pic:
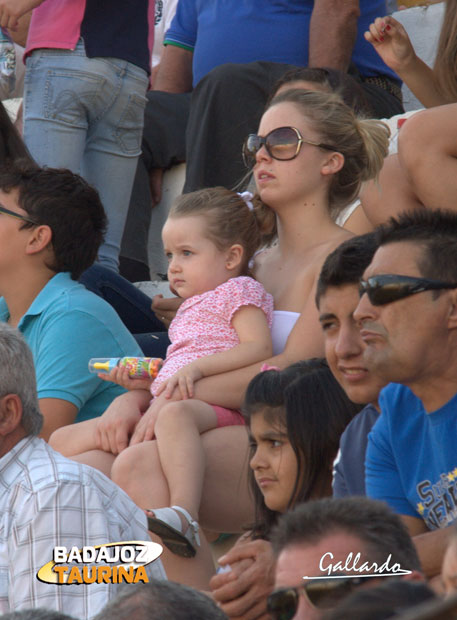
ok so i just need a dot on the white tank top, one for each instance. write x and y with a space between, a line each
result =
283 322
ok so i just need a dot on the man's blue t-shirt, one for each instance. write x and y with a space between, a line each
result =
241 31
64 327
349 465
412 457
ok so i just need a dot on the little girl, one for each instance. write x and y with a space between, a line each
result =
295 418
223 324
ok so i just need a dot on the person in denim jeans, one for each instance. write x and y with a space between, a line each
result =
87 66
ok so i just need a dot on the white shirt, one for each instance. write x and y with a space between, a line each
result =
48 500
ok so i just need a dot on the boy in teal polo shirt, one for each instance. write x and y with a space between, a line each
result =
51 225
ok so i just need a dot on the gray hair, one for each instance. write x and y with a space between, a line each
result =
161 600
39 613
17 376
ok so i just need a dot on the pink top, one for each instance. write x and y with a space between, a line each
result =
203 324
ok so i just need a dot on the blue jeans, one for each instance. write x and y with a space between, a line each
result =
86 114
132 306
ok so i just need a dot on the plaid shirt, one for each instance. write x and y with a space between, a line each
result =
48 500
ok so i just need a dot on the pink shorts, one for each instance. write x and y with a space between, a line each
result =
228 417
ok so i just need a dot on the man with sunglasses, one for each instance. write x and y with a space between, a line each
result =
51 226
408 317
310 541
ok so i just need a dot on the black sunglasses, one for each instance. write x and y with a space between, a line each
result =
385 289
18 216
324 593
283 143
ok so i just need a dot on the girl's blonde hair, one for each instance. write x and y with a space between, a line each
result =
445 67
363 142
229 220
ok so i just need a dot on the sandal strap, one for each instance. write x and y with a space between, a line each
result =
193 525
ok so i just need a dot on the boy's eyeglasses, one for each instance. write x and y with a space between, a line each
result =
323 593
283 143
384 289
18 216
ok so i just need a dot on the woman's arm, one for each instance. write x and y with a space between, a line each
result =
391 41
250 324
304 341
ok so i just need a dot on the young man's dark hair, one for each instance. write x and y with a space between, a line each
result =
66 203
346 264
436 231
380 530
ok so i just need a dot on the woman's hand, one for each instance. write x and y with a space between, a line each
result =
183 380
391 41
115 426
120 375
165 308
242 593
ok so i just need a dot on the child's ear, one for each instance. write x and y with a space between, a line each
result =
40 238
234 256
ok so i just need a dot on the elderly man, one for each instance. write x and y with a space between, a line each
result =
48 500
408 318
334 538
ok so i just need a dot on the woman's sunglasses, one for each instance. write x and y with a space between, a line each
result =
323 593
283 143
385 289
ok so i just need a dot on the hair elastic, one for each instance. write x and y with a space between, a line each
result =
247 197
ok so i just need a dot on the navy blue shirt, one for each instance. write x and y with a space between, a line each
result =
117 29
349 465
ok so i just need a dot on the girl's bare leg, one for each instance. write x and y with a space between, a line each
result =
74 438
103 461
178 431
226 504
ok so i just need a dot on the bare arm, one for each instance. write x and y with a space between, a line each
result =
332 33
12 10
305 341
430 545
391 41
175 70
250 324
56 413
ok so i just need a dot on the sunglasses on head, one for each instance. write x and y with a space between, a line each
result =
385 289
323 593
283 143
18 216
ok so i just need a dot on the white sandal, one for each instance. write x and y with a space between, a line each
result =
167 524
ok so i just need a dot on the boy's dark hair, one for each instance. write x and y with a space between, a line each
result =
331 80
379 529
433 229
346 264
66 203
